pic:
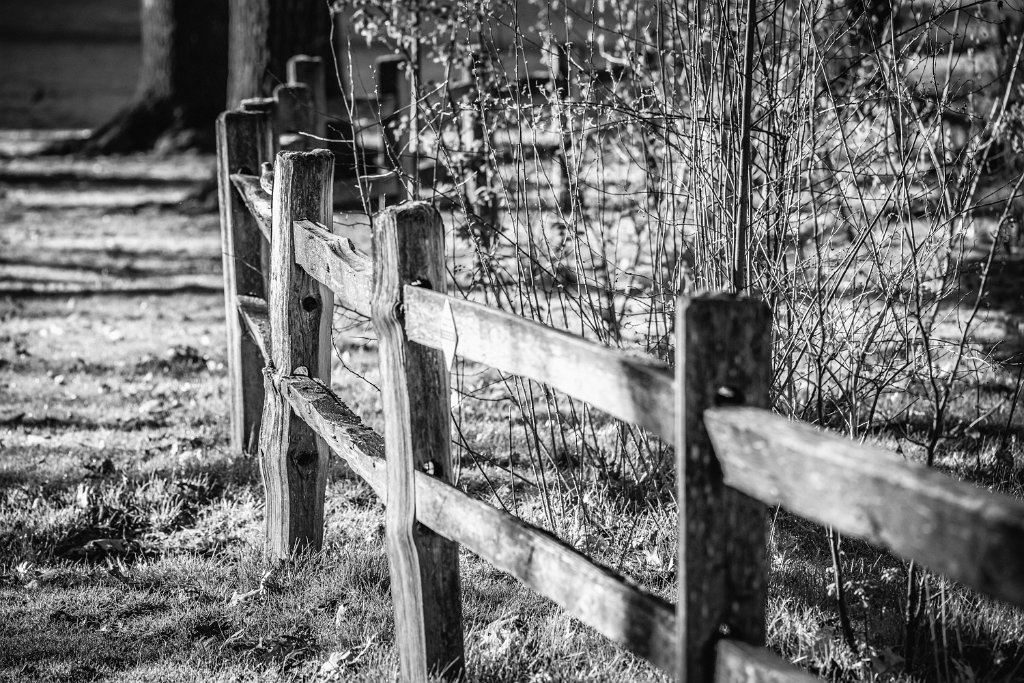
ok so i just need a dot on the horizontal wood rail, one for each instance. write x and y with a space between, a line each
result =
739 662
255 199
630 388
955 528
614 606
257 322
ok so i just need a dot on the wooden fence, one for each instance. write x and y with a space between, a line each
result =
285 269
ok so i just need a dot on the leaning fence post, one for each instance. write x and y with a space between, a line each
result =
408 246
723 356
243 143
293 459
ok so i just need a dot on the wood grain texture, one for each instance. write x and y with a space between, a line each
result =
243 143
955 528
408 243
642 623
336 263
330 259
739 662
631 388
614 606
255 200
723 349
257 323
294 461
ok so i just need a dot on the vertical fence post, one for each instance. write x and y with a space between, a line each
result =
267 105
558 69
293 459
408 248
472 132
723 356
295 116
393 88
309 71
243 143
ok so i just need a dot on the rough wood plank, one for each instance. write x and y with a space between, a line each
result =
955 528
631 388
642 623
257 322
723 352
256 201
614 606
294 461
243 143
408 244
743 663
336 263
340 428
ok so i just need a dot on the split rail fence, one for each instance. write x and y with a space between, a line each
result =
285 270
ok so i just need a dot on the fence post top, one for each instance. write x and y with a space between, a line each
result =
683 301
412 209
312 155
238 114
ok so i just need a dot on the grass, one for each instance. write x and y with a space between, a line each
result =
130 536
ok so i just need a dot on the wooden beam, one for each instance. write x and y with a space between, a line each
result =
955 528
257 322
256 201
641 622
723 353
631 388
408 246
336 263
743 663
243 143
294 461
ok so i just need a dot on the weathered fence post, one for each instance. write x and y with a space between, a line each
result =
309 71
294 460
473 134
294 117
243 143
723 356
397 155
408 246
558 70
267 105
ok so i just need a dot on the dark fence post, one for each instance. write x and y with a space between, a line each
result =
294 460
395 93
243 142
723 357
309 71
294 117
409 249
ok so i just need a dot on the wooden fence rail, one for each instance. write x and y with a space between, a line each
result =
285 269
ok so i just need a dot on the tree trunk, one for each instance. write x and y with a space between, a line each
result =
264 34
181 82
